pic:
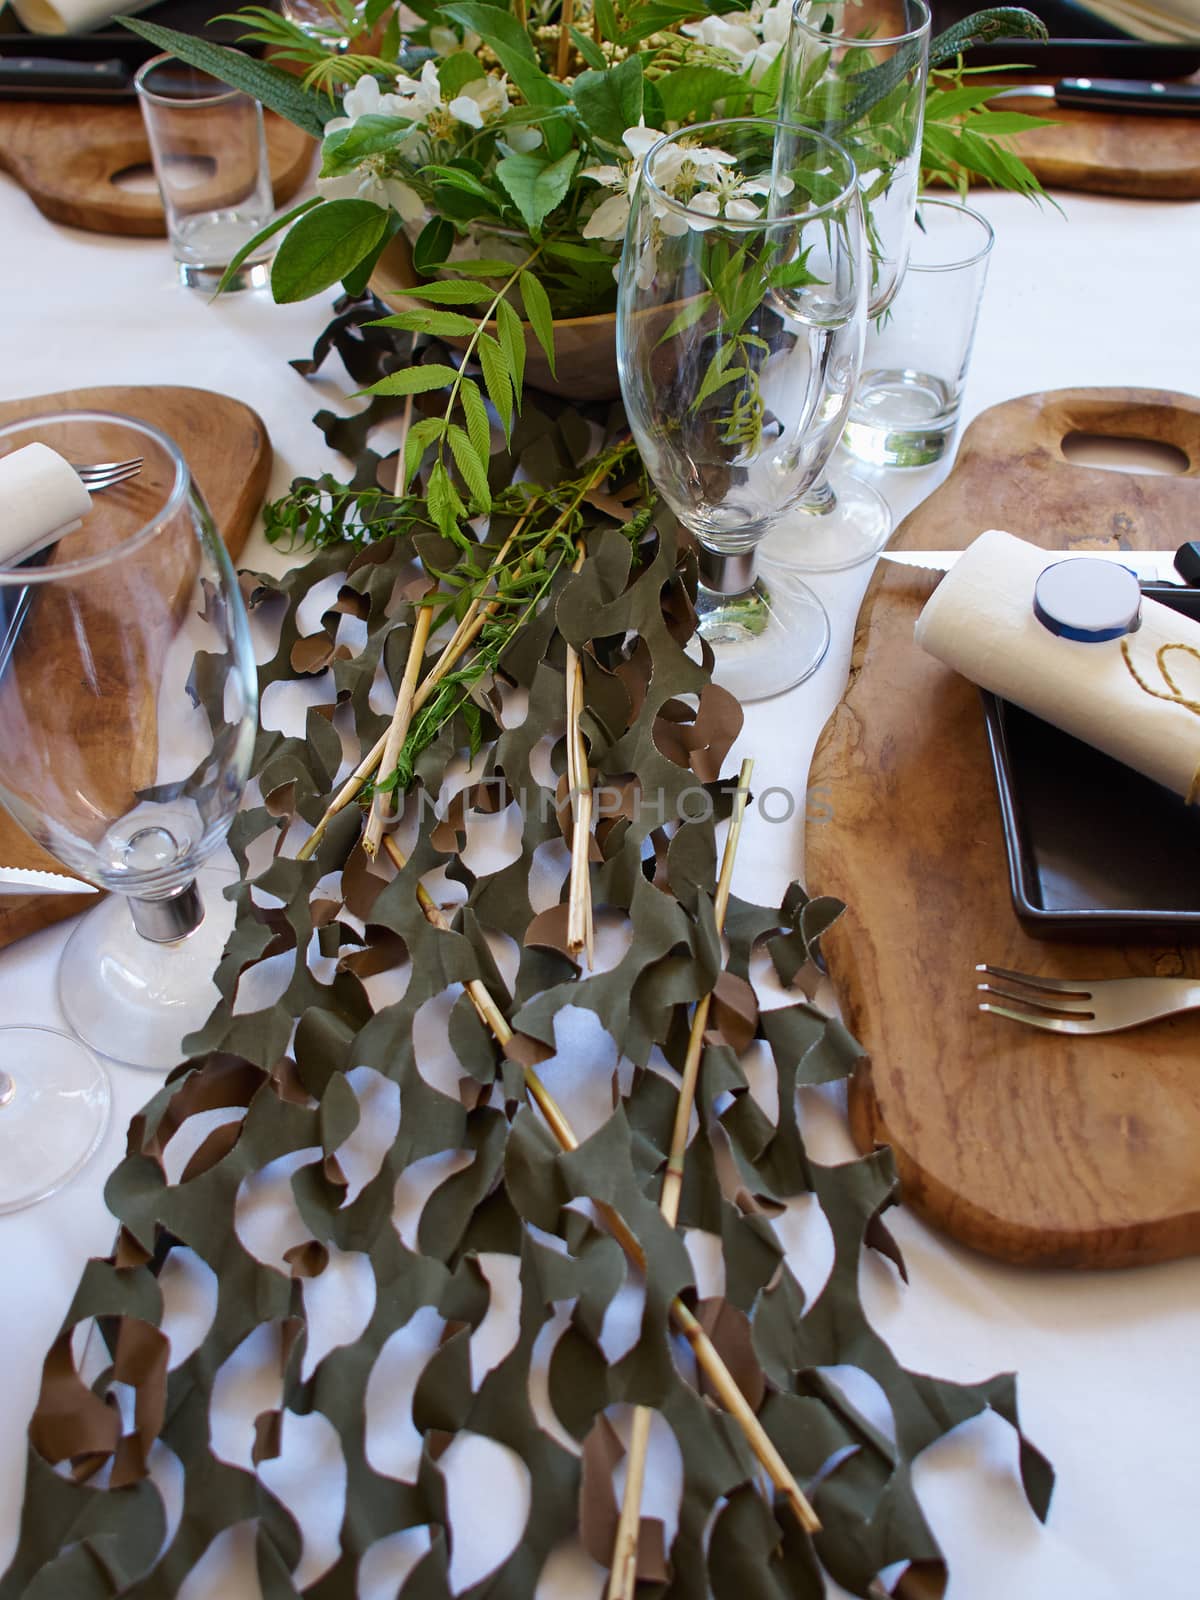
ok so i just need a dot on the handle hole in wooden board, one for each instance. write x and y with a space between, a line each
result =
137 179
1124 454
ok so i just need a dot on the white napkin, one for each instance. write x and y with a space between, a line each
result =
74 16
980 621
42 497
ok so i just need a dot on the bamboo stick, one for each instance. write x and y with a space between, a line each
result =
580 930
623 1572
383 802
708 1357
564 37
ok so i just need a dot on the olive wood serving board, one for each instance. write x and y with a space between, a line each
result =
1034 1147
66 156
227 448
1139 157
1142 157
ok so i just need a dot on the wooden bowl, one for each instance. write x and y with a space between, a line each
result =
585 348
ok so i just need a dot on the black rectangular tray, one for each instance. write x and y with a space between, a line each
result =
1095 850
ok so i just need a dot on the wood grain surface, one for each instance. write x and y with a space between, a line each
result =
66 156
1143 157
1030 1146
229 453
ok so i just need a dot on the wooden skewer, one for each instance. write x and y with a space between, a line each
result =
623 1572
708 1357
580 931
564 36
383 803
468 630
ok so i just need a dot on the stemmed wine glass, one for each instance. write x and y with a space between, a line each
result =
128 700
857 70
740 322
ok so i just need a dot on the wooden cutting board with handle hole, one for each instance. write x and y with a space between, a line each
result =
1140 156
67 155
227 448
1034 1147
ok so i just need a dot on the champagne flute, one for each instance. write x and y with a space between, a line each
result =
857 70
128 701
740 321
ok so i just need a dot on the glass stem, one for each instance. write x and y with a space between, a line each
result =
820 500
168 920
8 1088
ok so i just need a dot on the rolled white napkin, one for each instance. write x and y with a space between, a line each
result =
42 497
74 16
980 621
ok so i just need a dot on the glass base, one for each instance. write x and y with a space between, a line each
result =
132 1000
900 418
54 1107
766 639
840 524
248 276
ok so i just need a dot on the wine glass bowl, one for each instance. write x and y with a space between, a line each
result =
128 700
740 322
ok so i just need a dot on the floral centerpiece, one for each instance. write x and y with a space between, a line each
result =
503 140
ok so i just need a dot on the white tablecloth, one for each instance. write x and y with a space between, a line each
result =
1109 1363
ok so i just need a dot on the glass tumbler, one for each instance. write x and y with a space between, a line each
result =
906 405
740 317
128 700
210 159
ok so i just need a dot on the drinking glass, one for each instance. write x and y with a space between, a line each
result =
210 159
857 71
333 23
128 699
740 317
917 353
54 1108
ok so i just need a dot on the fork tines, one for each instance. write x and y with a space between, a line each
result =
1044 998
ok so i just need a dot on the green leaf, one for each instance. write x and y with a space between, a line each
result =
445 505
346 149
474 471
497 380
452 292
1001 22
438 324
457 178
420 436
541 319
324 245
609 26
610 102
688 93
479 428
433 245
494 25
457 70
588 49
414 380
484 268
262 236
536 186
278 91
514 50
792 275
690 314
512 342
356 280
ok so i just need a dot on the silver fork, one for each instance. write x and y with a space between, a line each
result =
107 474
1096 1005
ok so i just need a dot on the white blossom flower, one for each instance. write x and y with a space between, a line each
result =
717 32
366 183
364 99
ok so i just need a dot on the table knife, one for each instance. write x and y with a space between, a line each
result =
31 880
1112 94
1151 566
56 78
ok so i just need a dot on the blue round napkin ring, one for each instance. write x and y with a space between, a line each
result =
1088 600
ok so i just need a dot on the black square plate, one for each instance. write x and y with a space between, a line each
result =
1095 850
